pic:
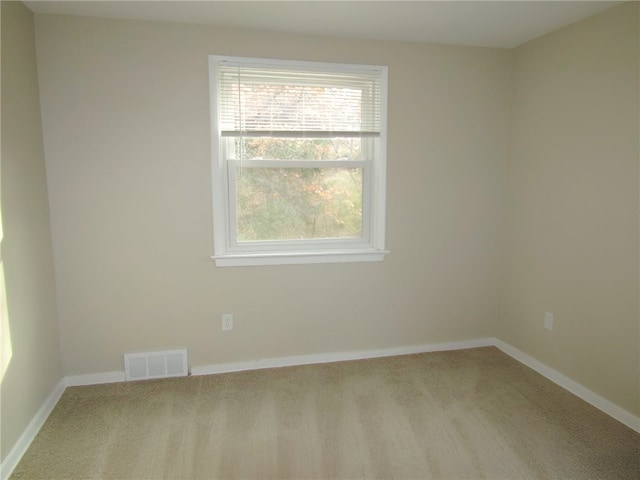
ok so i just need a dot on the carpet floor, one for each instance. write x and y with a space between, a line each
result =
465 414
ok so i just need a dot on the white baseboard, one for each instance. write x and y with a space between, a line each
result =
337 357
20 447
94 378
565 382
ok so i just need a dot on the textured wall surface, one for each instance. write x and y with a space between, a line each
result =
30 341
572 205
125 109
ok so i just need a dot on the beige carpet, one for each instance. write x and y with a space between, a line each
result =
464 414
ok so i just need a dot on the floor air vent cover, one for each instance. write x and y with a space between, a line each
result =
141 366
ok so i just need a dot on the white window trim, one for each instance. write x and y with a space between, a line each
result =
309 252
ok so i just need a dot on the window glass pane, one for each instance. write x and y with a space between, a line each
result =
281 148
298 203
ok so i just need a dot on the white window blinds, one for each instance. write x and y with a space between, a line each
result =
274 100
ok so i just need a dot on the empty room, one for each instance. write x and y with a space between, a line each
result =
296 240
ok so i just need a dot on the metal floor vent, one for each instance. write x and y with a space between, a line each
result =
141 366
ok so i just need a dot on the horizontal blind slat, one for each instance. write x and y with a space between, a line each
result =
297 134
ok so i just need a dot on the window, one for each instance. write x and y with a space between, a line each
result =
299 159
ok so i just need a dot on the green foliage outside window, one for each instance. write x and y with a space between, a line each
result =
299 203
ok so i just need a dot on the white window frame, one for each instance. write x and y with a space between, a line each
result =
228 252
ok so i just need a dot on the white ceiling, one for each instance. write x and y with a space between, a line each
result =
503 24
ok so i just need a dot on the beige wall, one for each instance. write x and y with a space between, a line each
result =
29 329
572 205
126 125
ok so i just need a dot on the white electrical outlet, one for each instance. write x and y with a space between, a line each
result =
548 320
227 321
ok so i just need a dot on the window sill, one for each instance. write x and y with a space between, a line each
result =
297 258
